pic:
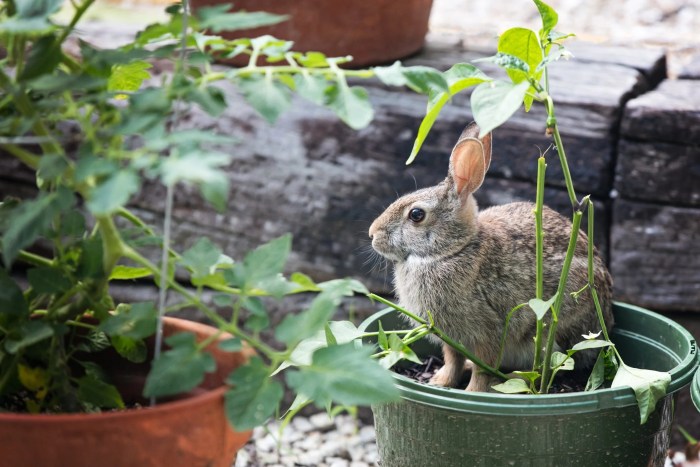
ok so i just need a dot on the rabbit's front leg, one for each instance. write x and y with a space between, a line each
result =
480 380
450 374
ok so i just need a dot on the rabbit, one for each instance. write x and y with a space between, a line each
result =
470 268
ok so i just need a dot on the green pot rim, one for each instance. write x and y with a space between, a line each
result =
695 390
518 404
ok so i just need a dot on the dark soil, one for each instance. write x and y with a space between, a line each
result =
565 382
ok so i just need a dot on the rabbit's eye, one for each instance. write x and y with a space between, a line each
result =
416 215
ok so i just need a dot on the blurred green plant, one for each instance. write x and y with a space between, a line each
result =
95 128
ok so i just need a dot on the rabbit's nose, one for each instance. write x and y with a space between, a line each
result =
372 230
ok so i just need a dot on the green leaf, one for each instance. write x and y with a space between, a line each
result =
350 104
217 19
202 258
31 17
201 168
30 219
233 344
591 344
211 99
422 79
113 193
344 332
263 263
512 386
344 374
295 328
523 44
550 18
507 62
122 273
382 340
269 97
311 87
330 337
304 283
48 280
540 307
529 376
494 103
128 77
425 80
52 166
94 341
398 351
136 321
649 387
597 377
460 77
561 361
90 263
12 302
43 58
391 75
343 287
255 396
31 332
133 350
98 393
179 369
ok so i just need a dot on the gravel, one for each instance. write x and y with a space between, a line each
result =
314 441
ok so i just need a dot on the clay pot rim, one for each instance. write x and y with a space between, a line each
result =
189 402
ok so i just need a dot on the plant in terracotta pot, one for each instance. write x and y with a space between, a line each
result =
520 292
372 31
95 127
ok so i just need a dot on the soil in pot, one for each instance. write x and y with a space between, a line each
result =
565 381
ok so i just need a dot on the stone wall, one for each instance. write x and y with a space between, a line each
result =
632 143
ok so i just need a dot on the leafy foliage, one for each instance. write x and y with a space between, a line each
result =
123 128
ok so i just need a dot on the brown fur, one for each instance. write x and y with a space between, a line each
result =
470 268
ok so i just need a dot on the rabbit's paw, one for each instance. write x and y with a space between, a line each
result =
448 376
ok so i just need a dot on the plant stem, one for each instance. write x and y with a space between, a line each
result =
539 255
135 256
27 158
24 105
561 290
591 273
112 245
549 105
444 337
34 260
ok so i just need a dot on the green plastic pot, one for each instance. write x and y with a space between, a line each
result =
695 390
434 426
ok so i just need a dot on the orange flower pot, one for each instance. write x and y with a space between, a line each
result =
372 31
190 431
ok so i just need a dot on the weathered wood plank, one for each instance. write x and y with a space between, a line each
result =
670 113
692 69
650 62
659 172
655 255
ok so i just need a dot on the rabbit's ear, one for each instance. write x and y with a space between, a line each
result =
470 160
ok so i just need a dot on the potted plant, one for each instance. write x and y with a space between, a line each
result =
644 360
371 31
83 377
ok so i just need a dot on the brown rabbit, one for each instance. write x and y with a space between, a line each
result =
470 268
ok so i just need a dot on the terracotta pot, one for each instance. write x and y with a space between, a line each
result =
191 431
372 31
